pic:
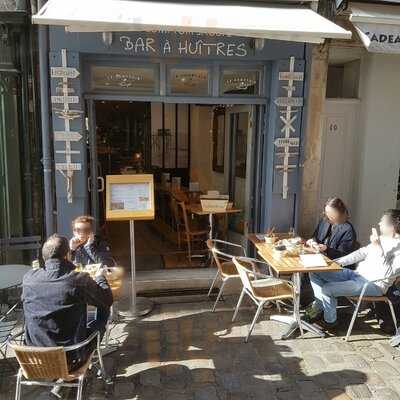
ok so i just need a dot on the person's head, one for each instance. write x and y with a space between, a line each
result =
389 224
57 247
336 211
82 227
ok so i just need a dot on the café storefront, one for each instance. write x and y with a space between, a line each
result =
210 101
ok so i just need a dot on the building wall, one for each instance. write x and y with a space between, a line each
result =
379 146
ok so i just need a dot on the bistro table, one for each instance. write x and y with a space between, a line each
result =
12 275
290 265
198 210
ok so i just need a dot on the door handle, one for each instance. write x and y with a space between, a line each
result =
101 180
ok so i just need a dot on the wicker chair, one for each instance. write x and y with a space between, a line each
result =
47 366
261 291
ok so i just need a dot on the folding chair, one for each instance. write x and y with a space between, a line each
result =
261 291
371 299
47 366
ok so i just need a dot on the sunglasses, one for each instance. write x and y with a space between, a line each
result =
84 230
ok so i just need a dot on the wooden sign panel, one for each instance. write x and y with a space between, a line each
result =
129 197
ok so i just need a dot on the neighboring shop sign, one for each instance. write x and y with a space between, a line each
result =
67 167
184 44
379 38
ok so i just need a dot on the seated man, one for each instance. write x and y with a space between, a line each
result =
55 300
379 260
86 248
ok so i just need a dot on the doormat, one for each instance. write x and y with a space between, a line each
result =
181 260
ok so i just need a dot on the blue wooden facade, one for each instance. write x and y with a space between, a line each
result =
164 50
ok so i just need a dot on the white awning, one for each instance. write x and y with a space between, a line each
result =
291 23
378 26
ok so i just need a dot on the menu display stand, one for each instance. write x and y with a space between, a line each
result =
130 198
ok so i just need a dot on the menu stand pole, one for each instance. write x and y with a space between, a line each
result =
139 305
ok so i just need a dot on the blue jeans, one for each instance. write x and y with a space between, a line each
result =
328 286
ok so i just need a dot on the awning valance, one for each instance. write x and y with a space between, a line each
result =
378 26
291 23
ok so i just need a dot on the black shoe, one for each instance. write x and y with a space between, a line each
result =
327 326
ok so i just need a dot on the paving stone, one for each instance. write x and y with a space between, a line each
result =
386 394
374 381
356 361
388 349
229 381
206 393
343 347
150 377
203 375
333 358
337 394
371 353
359 392
124 389
314 362
327 379
385 369
307 386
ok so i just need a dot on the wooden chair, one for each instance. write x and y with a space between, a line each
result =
261 291
176 220
371 299
47 366
193 235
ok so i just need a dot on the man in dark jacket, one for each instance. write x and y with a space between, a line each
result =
86 248
55 300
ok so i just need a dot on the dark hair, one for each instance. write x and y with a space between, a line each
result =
56 246
338 205
86 219
394 216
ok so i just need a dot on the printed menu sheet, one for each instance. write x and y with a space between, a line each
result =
130 196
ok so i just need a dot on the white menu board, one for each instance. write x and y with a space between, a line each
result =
130 196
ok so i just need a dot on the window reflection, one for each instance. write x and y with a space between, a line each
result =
189 81
241 82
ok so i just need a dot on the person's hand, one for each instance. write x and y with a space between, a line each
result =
74 243
90 239
310 242
374 238
322 247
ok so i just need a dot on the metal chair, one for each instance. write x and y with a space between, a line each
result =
8 323
226 270
371 299
47 366
261 291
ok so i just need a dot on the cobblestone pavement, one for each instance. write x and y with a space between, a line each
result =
183 351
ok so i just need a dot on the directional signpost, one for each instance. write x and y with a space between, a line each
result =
288 118
66 98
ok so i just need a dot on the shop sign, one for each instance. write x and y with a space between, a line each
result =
64 72
380 38
65 99
68 166
289 101
287 142
64 136
184 44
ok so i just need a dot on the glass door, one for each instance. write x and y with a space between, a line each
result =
241 136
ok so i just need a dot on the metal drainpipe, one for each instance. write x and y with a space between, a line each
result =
45 124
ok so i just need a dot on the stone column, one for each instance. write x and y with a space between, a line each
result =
309 205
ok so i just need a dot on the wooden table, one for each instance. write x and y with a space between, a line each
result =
198 210
290 265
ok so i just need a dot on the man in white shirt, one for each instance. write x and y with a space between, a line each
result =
377 262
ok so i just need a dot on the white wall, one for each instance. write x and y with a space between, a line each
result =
379 145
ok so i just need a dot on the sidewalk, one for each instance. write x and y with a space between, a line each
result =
183 351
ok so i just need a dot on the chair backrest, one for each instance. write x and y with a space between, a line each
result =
41 362
6 327
244 273
173 204
218 254
182 207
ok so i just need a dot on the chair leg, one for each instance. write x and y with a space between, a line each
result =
393 315
259 309
238 304
18 387
353 318
213 283
80 389
221 289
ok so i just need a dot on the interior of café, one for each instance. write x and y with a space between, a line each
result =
197 153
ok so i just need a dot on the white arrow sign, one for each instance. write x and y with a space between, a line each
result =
284 142
65 99
289 101
64 72
71 136
68 166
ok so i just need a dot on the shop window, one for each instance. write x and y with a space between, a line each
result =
240 82
137 80
343 80
189 81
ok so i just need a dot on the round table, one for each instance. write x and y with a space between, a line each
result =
12 274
